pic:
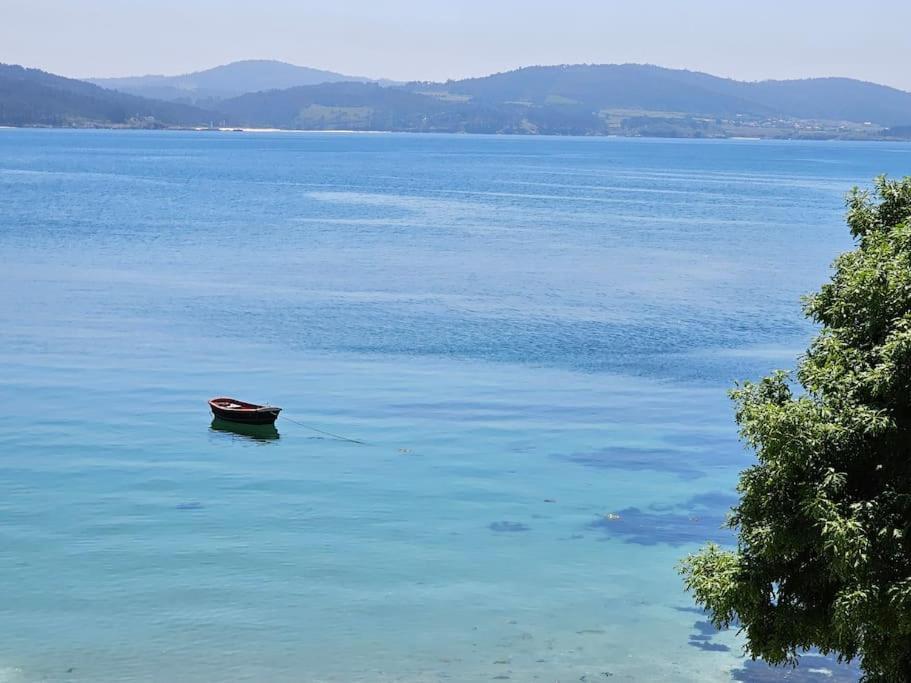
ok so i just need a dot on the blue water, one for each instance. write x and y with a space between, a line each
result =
534 337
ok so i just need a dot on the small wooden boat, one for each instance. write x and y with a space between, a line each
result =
235 410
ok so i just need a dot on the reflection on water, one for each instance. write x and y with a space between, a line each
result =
260 433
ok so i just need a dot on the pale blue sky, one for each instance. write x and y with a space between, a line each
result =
431 39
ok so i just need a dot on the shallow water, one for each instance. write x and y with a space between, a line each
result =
534 337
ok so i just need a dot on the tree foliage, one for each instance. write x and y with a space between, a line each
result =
823 556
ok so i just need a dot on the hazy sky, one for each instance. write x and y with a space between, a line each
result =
433 39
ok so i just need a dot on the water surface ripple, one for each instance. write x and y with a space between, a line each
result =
534 336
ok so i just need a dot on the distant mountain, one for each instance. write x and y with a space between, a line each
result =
625 99
657 89
839 99
34 97
599 87
362 106
221 82
833 99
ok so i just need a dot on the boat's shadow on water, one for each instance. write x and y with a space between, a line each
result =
255 433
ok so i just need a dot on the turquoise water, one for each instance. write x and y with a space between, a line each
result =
534 337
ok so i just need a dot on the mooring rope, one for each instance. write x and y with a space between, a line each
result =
323 431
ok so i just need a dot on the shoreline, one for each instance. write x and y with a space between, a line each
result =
244 129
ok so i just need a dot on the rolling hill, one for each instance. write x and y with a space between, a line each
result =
598 87
626 99
221 82
30 97
657 89
367 106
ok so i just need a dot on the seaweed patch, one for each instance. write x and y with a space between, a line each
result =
699 519
702 639
812 668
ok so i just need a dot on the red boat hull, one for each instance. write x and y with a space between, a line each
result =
234 410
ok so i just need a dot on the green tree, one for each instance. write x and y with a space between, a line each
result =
823 553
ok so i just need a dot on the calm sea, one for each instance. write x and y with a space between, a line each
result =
533 336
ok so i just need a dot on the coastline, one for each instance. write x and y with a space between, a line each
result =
245 129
